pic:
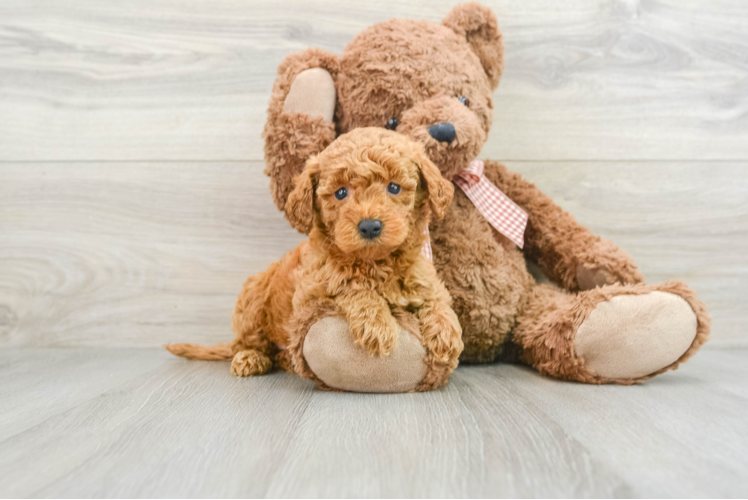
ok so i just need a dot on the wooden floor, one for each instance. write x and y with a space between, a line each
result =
133 207
137 422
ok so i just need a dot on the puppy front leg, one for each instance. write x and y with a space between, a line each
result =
370 320
442 334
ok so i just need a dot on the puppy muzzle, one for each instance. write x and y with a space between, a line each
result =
370 228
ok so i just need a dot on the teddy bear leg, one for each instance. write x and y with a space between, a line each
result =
338 363
620 334
324 351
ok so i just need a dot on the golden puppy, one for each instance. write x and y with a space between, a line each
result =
365 202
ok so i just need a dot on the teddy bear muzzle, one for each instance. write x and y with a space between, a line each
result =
451 133
443 132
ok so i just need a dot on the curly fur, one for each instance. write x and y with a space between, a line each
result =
377 285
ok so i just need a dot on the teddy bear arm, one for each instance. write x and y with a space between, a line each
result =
567 252
299 118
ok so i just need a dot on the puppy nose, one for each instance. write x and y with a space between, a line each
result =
370 228
443 132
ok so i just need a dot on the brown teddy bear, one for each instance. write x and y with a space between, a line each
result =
434 83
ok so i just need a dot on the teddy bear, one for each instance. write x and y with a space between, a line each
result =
596 322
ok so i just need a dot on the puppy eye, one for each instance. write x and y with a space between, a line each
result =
463 100
341 193
391 124
393 188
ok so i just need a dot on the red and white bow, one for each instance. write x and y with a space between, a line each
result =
501 212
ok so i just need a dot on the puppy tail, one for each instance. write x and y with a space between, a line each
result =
219 352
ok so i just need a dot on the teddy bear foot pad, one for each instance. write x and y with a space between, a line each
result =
632 336
337 361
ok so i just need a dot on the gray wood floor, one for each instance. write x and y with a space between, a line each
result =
132 208
137 422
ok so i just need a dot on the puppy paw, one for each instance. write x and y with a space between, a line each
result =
377 335
250 363
442 336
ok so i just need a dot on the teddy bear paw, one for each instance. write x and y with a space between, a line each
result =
335 359
312 93
632 336
605 264
589 278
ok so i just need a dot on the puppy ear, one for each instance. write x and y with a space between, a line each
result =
300 204
479 26
440 190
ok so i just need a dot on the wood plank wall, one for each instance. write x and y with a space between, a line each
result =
132 203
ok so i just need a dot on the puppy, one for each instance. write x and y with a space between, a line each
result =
365 202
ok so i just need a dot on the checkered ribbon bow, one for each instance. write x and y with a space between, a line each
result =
501 212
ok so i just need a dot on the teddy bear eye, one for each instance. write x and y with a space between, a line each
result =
341 193
393 188
463 100
392 124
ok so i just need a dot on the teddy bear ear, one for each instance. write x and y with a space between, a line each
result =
300 203
479 26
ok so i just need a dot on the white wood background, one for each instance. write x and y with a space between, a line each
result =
132 204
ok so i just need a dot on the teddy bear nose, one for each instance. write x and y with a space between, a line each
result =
443 132
370 228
